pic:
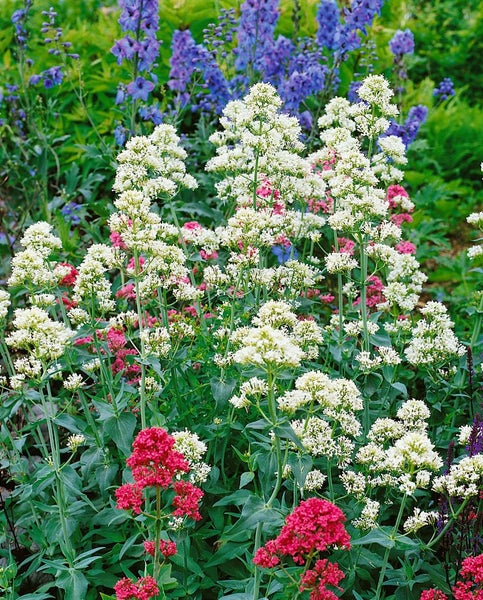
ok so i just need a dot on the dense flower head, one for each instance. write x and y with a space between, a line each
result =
153 460
129 497
445 89
166 548
143 589
255 32
402 42
317 579
328 24
433 594
186 500
314 526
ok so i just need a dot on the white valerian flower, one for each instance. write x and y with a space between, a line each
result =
433 339
73 382
419 519
156 341
4 303
369 515
28 366
464 480
193 450
314 480
91 284
340 262
74 441
464 434
35 332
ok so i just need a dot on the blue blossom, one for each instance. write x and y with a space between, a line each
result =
285 253
70 210
183 60
445 89
140 88
402 42
358 18
408 131
255 32
120 134
328 24
141 17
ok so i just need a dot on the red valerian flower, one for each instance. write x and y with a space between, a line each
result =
129 497
69 279
186 500
167 548
433 594
153 461
144 589
317 579
314 525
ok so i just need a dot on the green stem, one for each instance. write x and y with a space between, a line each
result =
385 559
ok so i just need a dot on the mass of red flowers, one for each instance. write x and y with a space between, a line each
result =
316 525
143 589
155 463
469 588
166 548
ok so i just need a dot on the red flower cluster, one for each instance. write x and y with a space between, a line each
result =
471 588
317 579
315 525
166 548
433 594
144 589
155 463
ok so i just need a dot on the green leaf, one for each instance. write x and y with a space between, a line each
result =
246 478
121 429
377 536
74 583
222 390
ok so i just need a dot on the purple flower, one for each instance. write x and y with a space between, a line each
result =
70 210
328 22
285 253
255 32
445 89
140 88
402 42
124 49
357 18
475 442
409 130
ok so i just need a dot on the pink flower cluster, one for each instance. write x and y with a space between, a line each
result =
316 525
143 589
155 463
166 548
471 586
317 579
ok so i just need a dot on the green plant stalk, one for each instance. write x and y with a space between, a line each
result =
477 327
142 387
59 487
258 533
363 284
385 559
157 536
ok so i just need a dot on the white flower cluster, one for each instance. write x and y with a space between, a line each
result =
419 519
4 304
193 449
279 339
91 285
464 480
156 341
477 249
353 177
35 332
433 340
399 452
258 140
32 266
404 279
255 388
153 164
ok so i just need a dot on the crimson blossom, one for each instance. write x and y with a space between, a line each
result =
315 525
143 589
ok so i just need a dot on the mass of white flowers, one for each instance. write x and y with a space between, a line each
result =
433 340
